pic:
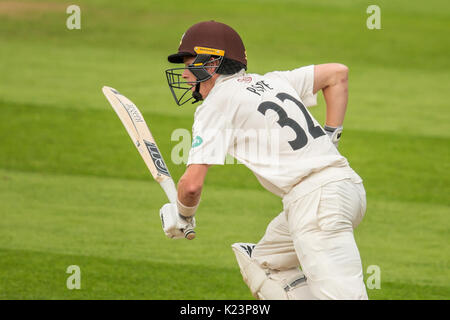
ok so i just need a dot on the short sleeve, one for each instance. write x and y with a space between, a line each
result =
302 80
211 135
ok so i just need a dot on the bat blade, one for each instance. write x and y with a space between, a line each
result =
140 134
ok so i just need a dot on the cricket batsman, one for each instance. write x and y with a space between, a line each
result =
308 251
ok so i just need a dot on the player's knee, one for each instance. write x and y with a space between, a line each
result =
339 289
358 291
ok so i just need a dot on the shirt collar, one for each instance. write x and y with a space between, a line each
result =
225 77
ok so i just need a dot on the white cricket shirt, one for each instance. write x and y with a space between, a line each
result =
262 121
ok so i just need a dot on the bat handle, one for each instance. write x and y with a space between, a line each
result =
189 233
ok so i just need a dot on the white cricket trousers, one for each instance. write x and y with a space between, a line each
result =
315 231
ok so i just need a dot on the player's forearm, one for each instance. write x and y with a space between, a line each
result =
336 98
189 193
191 184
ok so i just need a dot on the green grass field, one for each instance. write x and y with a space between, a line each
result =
74 191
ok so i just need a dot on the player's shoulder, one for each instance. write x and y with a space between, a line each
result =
247 87
282 74
229 83
232 91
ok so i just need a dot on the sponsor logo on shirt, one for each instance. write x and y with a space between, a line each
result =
245 79
197 141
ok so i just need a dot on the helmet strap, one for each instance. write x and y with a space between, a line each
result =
196 94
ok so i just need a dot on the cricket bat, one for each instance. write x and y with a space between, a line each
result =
143 140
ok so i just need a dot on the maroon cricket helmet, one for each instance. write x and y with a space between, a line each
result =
210 35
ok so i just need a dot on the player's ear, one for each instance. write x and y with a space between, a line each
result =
214 62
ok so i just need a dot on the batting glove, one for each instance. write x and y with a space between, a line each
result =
174 224
334 134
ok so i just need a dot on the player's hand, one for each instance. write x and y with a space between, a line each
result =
174 224
334 134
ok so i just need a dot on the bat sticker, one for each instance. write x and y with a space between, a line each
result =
157 158
133 112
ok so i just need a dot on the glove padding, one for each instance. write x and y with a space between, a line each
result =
173 223
334 134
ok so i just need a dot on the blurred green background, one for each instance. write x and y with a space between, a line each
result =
74 191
